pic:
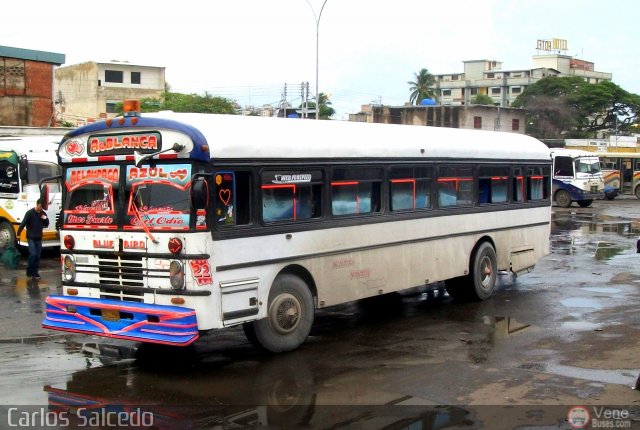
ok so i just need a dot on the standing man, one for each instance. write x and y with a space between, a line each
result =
34 221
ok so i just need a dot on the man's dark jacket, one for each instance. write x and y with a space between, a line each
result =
34 224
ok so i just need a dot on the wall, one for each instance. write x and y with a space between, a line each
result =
25 92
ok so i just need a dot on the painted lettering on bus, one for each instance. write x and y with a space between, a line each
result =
77 176
100 144
359 274
104 244
133 244
156 173
89 220
340 263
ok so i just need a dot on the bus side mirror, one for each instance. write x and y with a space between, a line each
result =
23 168
44 196
200 193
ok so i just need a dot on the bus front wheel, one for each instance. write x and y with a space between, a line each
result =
7 236
289 318
480 283
563 198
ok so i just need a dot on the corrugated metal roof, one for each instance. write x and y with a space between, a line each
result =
30 54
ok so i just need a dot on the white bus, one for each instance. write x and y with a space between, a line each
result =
175 224
24 162
576 177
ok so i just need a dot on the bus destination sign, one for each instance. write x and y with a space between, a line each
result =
123 144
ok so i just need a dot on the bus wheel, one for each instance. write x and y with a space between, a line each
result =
7 236
484 271
563 199
637 192
289 316
481 281
585 203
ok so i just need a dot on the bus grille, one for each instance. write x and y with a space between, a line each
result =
122 271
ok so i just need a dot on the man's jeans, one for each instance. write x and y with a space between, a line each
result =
33 263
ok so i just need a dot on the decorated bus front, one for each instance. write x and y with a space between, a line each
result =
135 263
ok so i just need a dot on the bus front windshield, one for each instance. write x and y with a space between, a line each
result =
158 197
587 165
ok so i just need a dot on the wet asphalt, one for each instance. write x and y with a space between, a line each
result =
565 335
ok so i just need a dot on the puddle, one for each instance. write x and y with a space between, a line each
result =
607 376
603 290
581 302
580 325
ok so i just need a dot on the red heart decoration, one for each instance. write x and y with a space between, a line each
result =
225 196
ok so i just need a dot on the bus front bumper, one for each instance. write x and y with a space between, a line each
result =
169 325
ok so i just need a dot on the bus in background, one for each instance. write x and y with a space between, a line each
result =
176 224
24 162
621 171
576 177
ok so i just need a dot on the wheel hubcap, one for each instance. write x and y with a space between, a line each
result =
4 238
486 272
285 313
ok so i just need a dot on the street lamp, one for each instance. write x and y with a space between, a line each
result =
317 19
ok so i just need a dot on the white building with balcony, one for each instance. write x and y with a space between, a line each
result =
504 86
89 91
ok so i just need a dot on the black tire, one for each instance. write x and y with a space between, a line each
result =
637 192
484 271
289 318
610 196
480 283
584 203
7 236
563 198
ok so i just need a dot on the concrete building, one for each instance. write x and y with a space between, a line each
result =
90 91
475 117
26 86
504 86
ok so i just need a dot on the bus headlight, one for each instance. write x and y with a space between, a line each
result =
69 269
176 275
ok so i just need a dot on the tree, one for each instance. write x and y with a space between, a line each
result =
178 102
326 111
421 87
482 99
570 107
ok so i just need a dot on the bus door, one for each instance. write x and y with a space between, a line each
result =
626 174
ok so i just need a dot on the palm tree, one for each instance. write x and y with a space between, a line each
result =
421 88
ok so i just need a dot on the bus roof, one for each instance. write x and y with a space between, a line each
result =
242 137
572 152
37 148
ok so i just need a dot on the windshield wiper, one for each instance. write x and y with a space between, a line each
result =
136 212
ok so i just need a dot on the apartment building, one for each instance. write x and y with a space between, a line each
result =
504 86
90 91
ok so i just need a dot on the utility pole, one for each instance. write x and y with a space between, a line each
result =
317 19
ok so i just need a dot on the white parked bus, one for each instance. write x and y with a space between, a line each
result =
24 162
576 177
174 224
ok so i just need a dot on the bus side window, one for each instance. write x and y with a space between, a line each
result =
291 196
409 188
537 183
233 198
563 166
455 186
518 185
356 191
492 184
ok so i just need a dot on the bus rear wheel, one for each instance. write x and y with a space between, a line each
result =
7 236
584 203
289 318
563 198
480 283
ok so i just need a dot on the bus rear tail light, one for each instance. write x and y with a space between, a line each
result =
69 242
176 275
69 269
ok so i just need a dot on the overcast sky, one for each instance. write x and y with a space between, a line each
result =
248 49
